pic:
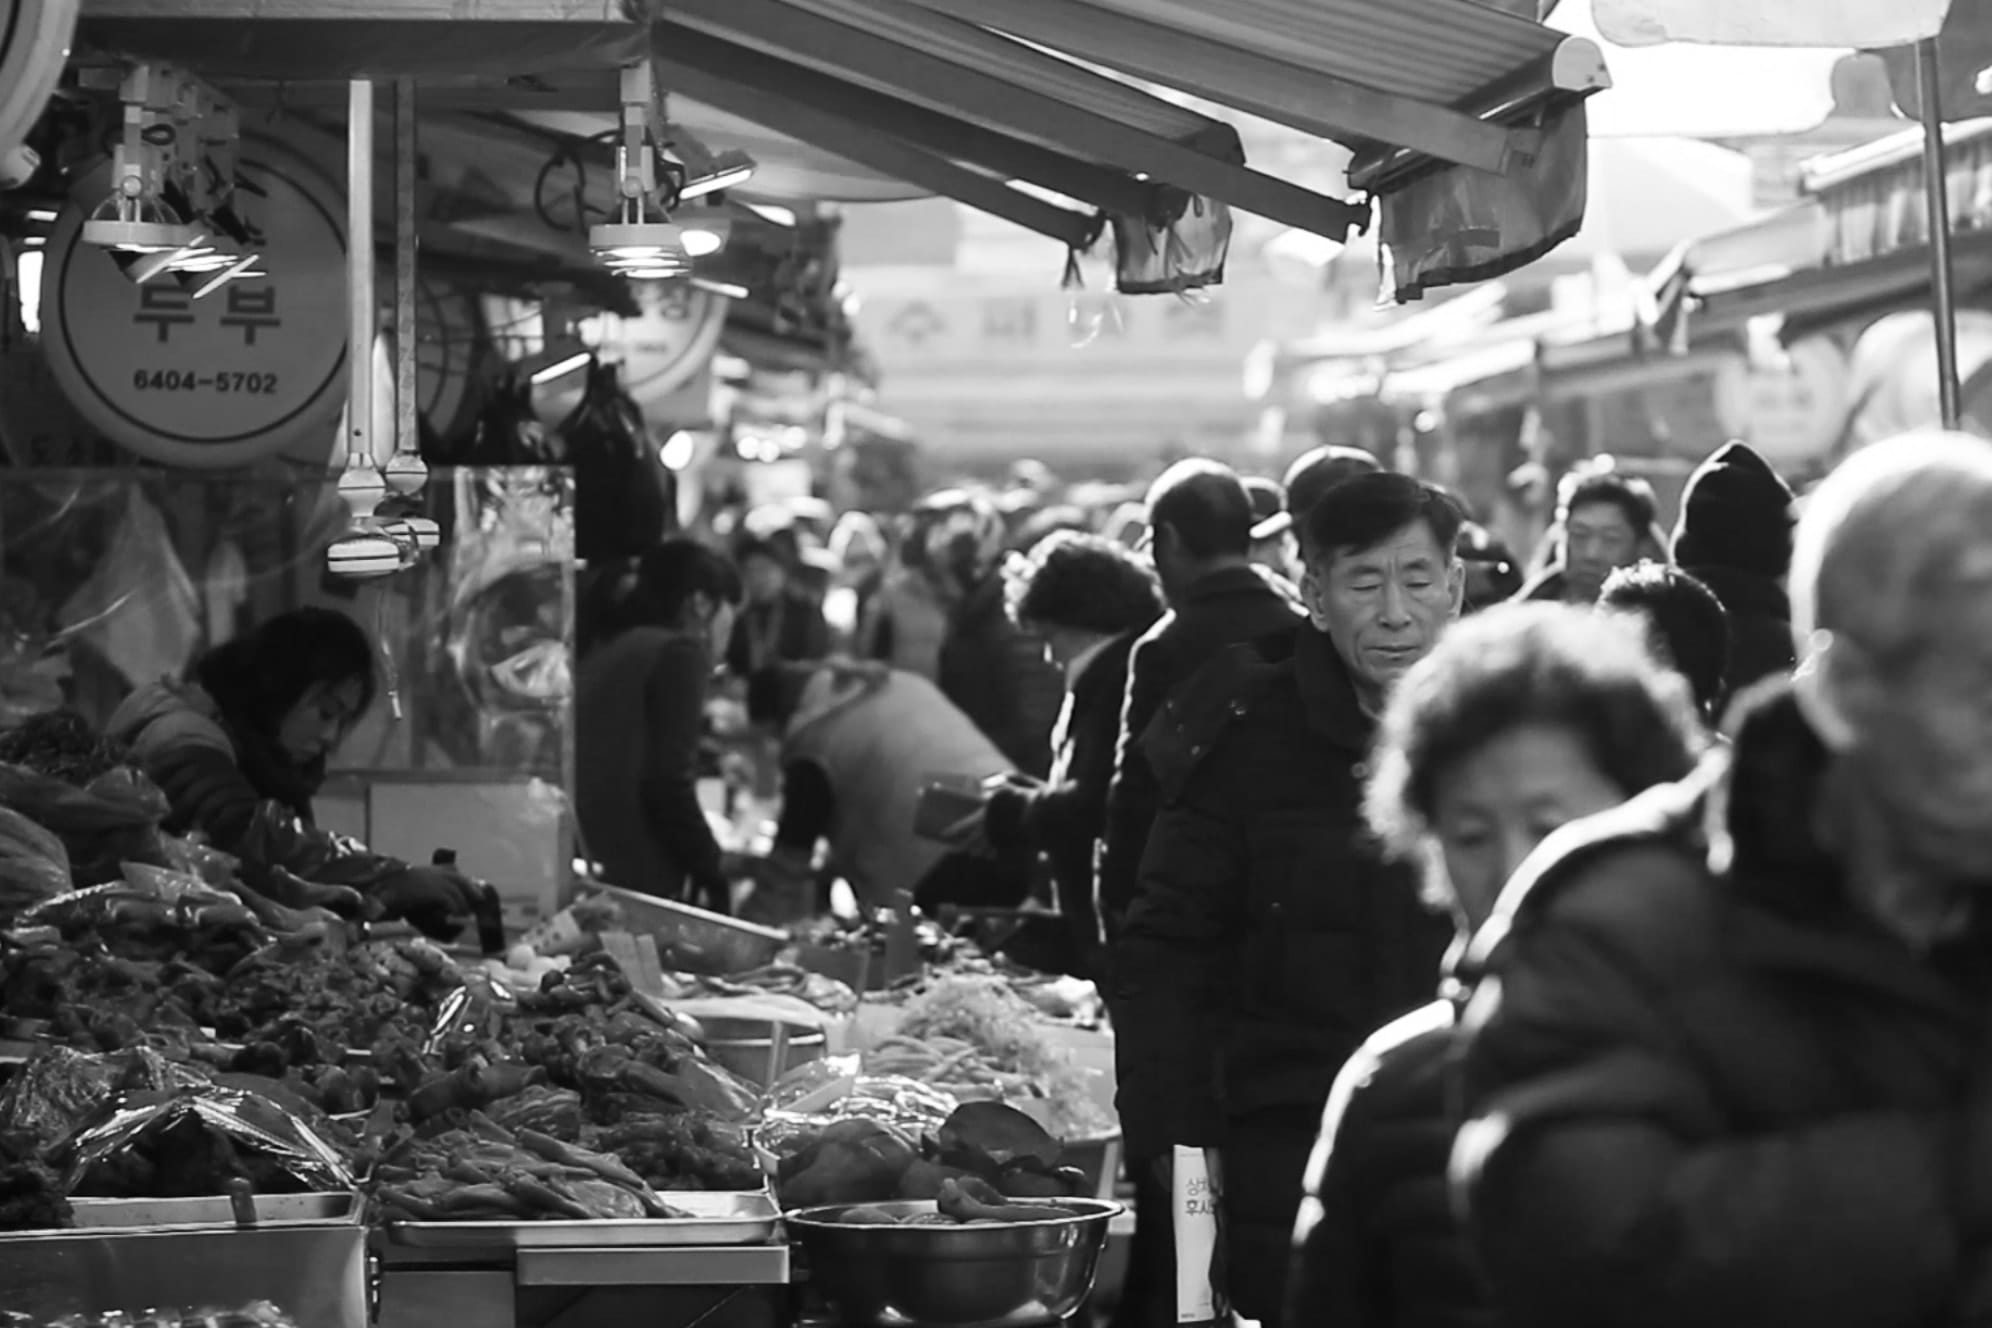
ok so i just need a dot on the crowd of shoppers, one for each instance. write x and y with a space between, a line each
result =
1607 956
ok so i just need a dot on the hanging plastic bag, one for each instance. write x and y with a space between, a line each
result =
508 433
622 502
1184 253
139 608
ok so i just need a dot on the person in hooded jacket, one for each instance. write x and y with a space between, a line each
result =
240 748
1524 718
1728 1059
1734 536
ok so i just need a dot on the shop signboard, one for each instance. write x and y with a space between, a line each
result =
34 46
252 370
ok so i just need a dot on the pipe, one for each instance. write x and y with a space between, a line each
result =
362 312
406 437
1936 201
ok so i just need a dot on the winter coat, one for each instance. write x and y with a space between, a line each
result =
878 743
1269 938
236 789
1378 1244
639 719
1707 1090
1062 820
904 625
1760 644
1000 679
1226 608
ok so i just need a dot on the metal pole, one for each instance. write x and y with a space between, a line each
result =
362 311
405 404
1936 196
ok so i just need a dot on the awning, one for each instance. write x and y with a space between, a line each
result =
1431 76
1833 294
1874 193
962 93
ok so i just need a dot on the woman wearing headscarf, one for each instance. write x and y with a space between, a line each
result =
240 748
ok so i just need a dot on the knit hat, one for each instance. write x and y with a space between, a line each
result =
1736 512
1313 475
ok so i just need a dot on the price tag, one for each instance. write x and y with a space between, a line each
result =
34 46
254 369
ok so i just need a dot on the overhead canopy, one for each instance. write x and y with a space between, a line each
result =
960 97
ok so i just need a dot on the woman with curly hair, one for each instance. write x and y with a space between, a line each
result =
1088 600
1523 719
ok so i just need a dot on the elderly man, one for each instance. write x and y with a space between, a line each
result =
1741 1076
1269 935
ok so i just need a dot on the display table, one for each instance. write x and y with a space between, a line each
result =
728 1286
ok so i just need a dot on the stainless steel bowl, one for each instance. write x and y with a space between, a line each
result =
999 1276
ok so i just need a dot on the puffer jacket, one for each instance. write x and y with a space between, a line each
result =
1378 1244
1706 1089
1270 936
238 794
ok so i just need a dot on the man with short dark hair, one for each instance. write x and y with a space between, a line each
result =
1269 935
1604 521
1685 623
1200 533
1200 536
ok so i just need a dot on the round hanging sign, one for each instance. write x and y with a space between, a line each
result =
660 349
244 373
34 46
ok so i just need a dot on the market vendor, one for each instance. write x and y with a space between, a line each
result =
240 749
639 722
859 743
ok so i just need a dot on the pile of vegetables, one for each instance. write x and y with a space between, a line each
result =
974 1037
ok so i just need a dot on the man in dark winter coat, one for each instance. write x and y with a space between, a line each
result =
1200 534
1749 1085
1270 936
1605 520
1734 536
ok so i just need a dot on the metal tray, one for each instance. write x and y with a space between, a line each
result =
332 1208
746 1217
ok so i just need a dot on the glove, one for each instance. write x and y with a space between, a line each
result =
434 900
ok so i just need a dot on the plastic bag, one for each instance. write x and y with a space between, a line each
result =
810 1097
60 1088
279 839
34 865
111 1154
155 895
622 504
256 1314
103 824
1186 254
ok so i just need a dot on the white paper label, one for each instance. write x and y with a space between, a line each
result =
1194 1206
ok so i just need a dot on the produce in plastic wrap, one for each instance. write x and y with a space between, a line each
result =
58 1090
811 1097
33 863
256 1314
974 1037
484 1173
104 822
197 1141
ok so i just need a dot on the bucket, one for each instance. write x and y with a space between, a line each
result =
747 1047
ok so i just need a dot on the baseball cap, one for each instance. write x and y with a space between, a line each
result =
1268 500
1312 476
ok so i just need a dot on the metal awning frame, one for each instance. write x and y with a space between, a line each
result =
986 100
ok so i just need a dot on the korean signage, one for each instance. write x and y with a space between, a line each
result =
248 371
1049 325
